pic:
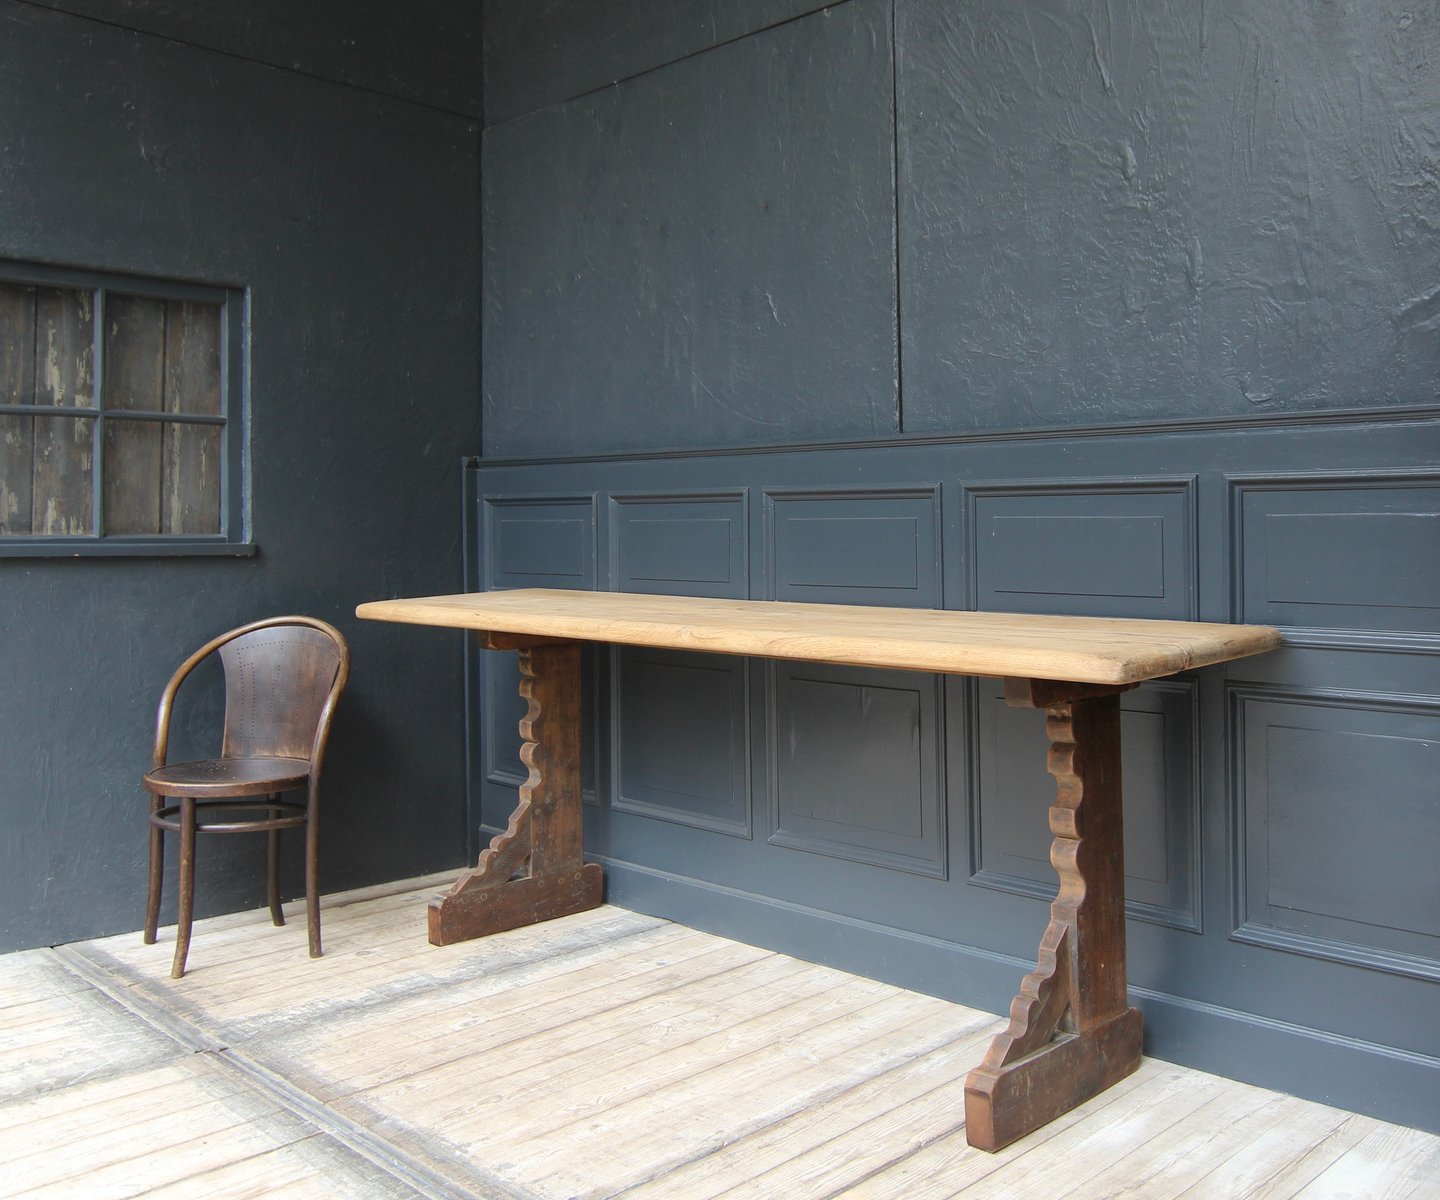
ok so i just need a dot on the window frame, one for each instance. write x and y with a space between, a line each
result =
233 420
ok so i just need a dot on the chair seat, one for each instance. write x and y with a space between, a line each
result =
215 777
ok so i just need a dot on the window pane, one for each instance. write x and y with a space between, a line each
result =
17 344
17 386
63 475
132 475
149 464
64 348
134 353
192 358
190 500
17 465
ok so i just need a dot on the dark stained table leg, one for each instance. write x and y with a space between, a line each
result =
535 870
1072 1033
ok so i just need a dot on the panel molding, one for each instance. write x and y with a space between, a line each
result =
926 493
931 856
1186 916
740 581
1398 415
739 671
1182 486
1241 484
493 504
1257 932
492 701
492 507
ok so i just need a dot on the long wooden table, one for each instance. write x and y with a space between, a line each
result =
1072 1032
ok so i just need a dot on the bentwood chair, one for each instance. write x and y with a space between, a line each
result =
283 677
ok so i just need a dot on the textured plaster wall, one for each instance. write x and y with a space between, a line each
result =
1146 210
349 218
1058 213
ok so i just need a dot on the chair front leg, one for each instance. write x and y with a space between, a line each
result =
157 870
272 872
312 867
187 886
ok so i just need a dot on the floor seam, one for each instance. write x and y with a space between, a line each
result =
399 1164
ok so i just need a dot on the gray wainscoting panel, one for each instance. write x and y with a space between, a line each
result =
687 544
531 541
1010 838
855 765
680 722
1101 548
680 749
1282 815
1338 827
539 541
502 708
877 546
1354 551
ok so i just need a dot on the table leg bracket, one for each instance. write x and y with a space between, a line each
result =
1003 1104
459 916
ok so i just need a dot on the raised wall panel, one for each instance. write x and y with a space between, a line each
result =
1338 827
502 709
680 545
680 750
1102 548
539 542
1358 552
854 765
855 547
853 874
1010 833
530 541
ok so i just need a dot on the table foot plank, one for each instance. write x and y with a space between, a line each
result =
1003 1104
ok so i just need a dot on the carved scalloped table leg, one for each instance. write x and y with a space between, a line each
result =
535 869
1071 1033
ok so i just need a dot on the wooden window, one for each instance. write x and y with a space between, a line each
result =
120 415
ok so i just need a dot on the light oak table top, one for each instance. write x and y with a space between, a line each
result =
1098 650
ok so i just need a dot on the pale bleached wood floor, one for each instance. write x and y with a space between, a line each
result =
605 1054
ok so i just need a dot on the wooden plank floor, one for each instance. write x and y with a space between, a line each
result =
604 1054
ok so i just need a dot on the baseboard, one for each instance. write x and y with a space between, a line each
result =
1382 1082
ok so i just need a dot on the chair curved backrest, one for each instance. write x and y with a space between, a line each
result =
281 680
283 677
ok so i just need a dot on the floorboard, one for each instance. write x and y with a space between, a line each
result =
607 1054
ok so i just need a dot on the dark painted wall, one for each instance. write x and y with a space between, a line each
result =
428 51
349 218
1098 211
1213 225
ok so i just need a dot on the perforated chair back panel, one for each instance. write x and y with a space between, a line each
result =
276 683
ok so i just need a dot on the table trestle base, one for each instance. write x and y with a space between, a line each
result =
1071 1033
534 870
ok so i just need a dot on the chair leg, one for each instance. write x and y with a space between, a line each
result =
187 886
312 872
272 878
157 871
